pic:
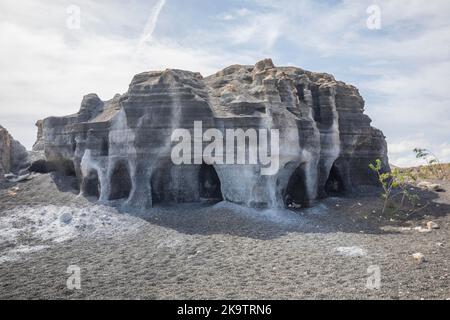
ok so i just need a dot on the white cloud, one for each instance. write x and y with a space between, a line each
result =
402 154
402 70
235 14
47 71
227 17
258 30
147 34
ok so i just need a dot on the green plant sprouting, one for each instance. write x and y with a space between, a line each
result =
394 183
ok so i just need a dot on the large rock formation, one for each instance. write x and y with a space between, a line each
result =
120 149
13 156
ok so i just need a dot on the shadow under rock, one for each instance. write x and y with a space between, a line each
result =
324 217
65 183
234 220
433 204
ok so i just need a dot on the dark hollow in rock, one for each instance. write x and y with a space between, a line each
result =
91 185
120 182
209 184
335 183
42 166
296 191
64 166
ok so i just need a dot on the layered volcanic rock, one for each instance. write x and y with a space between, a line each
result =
13 156
120 150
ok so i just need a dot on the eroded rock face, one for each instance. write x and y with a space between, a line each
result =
120 149
13 156
2 174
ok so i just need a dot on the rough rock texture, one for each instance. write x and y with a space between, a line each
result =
120 149
13 156
39 144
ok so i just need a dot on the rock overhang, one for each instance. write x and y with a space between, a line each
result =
326 141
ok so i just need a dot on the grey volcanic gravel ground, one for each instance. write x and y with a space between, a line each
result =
221 251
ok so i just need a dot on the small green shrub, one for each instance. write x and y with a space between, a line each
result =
394 183
434 165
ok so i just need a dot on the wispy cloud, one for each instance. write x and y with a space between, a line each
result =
147 34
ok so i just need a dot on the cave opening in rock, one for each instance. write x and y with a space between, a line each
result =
42 166
209 184
300 92
296 192
68 168
104 151
157 183
334 185
317 112
92 184
62 172
120 182
63 166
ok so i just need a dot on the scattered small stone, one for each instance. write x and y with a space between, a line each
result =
438 188
440 244
422 229
419 257
66 218
14 178
352 251
432 225
9 176
425 185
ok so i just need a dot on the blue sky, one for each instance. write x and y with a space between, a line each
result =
402 69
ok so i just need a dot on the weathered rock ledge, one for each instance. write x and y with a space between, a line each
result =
13 156
119 150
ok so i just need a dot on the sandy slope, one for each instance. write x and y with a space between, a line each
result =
223 251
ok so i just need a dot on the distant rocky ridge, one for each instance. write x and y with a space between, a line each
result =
13 156
120 149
